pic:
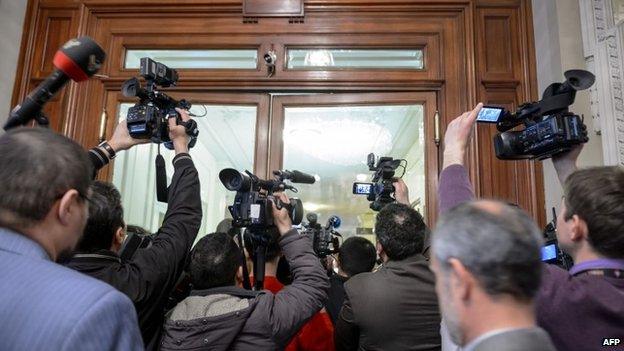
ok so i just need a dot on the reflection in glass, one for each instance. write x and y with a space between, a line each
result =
355 58
201 59
226 139
333 142
618 11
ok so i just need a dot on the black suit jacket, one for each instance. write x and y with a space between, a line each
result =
394 308
152 273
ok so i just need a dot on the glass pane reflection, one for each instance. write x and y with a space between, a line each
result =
333 142
226 139
200 59
355 58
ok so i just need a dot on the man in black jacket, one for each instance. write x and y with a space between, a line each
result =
221 316
357 255
151 274
395 307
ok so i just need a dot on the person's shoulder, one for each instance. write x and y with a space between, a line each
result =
361 280
63 284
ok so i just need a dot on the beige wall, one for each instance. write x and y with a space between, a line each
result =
559 47
11 21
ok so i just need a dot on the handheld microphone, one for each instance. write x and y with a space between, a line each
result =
77 60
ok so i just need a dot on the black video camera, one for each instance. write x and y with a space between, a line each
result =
252 207
551 252
323 237
148 119
550 128
380 191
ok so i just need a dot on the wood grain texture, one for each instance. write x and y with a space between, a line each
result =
474 51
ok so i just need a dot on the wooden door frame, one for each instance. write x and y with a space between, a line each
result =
485 50
427 99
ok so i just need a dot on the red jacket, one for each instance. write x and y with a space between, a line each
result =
316 335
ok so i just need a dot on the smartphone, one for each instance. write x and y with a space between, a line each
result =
362 188
549 252
490 114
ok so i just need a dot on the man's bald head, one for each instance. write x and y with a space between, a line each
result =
499 244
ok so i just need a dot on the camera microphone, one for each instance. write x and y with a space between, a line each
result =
77 60
296 176
334 221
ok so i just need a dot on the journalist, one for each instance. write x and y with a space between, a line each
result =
220 315
152 273
582 307
357 255
318 332
395 307
44 202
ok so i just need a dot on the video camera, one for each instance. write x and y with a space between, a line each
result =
550 128
551 252
323 237
148 119
252 208
380 191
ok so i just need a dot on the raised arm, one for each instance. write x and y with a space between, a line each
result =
164 260
121 140
454 186
565 164
299 301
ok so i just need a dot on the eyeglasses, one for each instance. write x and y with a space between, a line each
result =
84 197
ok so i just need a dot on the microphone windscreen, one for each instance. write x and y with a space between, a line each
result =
79 58
300 177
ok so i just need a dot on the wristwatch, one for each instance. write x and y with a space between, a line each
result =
111 153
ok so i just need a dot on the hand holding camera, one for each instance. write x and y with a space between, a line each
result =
457 137
401 192
178 132
121 139
281 219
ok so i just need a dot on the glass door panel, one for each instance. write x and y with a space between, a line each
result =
330 137
227 139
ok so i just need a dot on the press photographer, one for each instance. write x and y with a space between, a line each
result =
223 316
253 208
151 274
577 307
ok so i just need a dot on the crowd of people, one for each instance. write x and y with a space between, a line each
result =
476 282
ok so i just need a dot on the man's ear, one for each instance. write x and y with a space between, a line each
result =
461 279
68 206
120 235
578 229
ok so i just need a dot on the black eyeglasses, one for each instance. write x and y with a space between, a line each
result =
84 197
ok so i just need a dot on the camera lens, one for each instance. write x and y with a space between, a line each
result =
268 58
234 180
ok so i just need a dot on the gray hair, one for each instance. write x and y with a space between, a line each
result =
36 167
500 248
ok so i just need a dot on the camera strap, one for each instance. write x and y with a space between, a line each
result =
161 178
246 280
